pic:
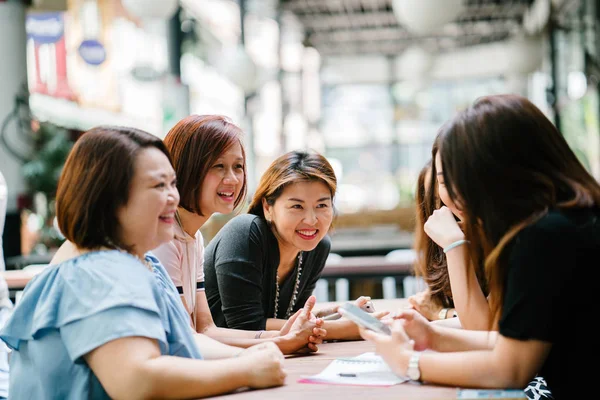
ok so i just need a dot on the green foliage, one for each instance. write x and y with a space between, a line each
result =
51 147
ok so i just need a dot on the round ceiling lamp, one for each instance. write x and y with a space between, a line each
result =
145 9
525 54
426 16
414 63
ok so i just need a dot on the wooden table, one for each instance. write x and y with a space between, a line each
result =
18 278
306 365
299 366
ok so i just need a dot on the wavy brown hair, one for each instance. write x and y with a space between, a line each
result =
289 168
430 263
195 143
507 165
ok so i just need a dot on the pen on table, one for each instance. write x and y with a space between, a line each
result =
346 375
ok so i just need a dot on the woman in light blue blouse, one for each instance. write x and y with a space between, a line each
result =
99 325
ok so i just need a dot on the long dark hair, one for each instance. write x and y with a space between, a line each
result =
506 165
430 263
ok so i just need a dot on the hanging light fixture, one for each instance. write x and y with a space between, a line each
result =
426 16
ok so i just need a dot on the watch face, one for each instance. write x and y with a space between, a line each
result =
413 373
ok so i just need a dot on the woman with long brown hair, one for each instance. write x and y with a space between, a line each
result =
451 285
262 266
452 288
533 210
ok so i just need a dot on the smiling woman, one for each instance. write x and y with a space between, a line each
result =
262 266
210 162
104 316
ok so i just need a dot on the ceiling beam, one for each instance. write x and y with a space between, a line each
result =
478 28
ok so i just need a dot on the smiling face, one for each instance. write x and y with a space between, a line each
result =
223 182
146 221
443 191
301 215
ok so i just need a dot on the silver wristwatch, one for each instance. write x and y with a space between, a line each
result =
413 372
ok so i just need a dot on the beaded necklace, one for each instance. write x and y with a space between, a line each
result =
294 296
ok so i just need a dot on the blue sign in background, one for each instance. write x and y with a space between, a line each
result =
45 28
92 52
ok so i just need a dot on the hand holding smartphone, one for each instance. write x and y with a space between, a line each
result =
364 319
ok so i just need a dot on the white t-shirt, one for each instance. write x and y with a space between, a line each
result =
183 258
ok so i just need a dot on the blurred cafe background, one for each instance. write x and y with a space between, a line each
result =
365 82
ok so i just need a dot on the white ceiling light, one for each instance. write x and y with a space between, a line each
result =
144 9
414 63
426 16
525 54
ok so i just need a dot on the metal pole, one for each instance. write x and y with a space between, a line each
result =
554 89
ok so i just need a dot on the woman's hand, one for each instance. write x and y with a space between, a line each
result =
416 327
363 302
425 305
442 228
303 330
265 365
391 347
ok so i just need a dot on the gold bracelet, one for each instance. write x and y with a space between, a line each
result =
443 313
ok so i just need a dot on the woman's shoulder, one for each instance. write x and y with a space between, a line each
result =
81 287
558 221
561 229
244 226
91 274
244 221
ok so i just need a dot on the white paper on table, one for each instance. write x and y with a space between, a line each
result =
367 369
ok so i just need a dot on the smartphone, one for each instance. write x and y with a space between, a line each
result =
363 318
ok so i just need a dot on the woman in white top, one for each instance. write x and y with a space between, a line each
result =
210 161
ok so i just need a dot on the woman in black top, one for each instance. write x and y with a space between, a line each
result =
532 207
262 266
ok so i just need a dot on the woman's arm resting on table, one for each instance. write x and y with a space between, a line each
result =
300 331
212 349
509 363
133 368
435 336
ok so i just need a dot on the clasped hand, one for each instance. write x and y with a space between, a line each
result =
442 227
304 329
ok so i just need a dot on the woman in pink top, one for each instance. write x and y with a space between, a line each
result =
210 163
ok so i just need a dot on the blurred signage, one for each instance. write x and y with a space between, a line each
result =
47 55
92 52
82 66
